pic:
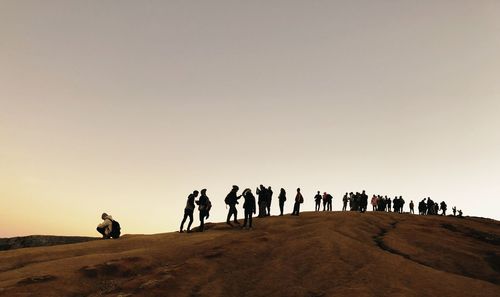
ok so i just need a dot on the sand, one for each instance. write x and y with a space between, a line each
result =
315 254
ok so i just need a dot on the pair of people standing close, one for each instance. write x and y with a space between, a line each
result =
204 206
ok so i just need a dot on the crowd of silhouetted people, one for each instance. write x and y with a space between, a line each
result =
357 201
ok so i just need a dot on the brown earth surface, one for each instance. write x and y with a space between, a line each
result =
313 255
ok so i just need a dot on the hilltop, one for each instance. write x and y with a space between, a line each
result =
316 254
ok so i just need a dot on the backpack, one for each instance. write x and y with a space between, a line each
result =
209 205
227 200
301 199
115 229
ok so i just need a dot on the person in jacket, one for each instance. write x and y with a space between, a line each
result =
106 226
344 202
261 191
249 207
188 211
203 208
329 199
374 202
299 199
317 199
232 200
269 199
412 205
282 199
444 207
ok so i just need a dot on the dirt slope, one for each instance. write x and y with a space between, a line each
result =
316 254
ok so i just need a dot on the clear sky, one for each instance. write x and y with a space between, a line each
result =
128 106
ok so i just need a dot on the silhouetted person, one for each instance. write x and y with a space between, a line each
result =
106 227
203 208
389 202
282 199
249 207
411 207
298 200
443 208
363 198
460 213
422 207
401 204
329 199
261 191
269 199
454 210
232 200
188 211
430 206
374 203
344 202
317 199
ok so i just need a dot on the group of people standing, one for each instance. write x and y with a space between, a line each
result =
356 202
381 203
327 201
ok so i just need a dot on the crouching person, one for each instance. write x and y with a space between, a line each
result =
109 228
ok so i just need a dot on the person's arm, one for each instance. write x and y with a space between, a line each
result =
104 223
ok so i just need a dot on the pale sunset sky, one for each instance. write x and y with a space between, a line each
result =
126 107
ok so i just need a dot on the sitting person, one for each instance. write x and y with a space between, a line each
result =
106 227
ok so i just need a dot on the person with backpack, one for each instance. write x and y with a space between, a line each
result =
299 199
188 211
109 228
317 199
203 206
412 205
249 207
232 200
282 199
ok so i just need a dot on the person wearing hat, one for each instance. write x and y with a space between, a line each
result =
249 207
106 226
232 200
188 211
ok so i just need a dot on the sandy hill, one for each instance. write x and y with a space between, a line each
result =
316 254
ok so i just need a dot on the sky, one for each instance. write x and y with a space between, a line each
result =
126 107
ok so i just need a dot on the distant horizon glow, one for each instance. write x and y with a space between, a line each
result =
126 107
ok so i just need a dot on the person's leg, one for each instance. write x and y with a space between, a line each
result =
202 221
298 208
282 204
190 220
184 220
102 231
235 211
229 214
249 219
245 221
